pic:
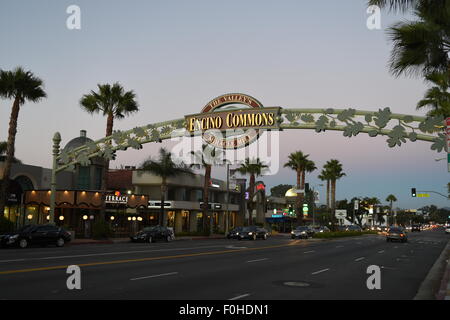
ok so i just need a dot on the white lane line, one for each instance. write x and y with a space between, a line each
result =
155 276
339 246
257 260
112 253
320 271
309 251
12 260
359 259
382 251
240 297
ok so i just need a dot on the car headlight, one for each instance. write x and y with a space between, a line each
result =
292 232
303 232
250 233
14 237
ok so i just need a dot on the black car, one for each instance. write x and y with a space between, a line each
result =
416 227
233 234
253 233
302 232
152 234
36 235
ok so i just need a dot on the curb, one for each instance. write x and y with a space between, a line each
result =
434 287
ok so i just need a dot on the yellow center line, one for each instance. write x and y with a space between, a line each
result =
138 260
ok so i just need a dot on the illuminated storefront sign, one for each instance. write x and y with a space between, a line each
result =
116 198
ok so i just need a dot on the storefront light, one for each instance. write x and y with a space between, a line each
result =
139 218
48 217
30 216
112 218
85 217
61 218
134 219
129 218
129 191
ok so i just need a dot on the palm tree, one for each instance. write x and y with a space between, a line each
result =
325 176
205 159
437 97
420 46
3 147
300 163
164 168
114 103
334 168
20 86
391 198
254 168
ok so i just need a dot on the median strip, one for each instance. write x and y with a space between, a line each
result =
137 260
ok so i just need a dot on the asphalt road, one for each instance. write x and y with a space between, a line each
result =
276 269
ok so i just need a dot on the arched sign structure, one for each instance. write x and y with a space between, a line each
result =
217 115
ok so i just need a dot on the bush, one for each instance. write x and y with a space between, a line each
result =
6 225
341 234
101 230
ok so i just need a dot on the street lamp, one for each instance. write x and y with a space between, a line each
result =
314 202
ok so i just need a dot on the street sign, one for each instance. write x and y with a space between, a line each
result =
341 213
356 205
423 195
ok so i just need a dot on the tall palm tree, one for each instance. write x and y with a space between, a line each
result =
20 86
437 97
205 159
334 167
3 148
421 46
164 167
254 168
300 163
325 176
114 103
391 199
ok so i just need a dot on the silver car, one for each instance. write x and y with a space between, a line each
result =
396 234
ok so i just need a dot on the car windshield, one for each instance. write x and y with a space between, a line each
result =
26 228
395 230
301 228
147 229
247 229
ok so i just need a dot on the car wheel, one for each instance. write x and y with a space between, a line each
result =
254 237
168 238
265 237
60 242
150 239
23 243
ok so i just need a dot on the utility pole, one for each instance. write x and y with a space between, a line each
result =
228 198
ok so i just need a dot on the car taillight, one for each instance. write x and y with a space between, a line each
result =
402 235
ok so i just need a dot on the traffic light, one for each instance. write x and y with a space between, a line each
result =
413 192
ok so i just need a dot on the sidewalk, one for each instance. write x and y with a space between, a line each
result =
444 290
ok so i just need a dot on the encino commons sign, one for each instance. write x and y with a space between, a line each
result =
253 118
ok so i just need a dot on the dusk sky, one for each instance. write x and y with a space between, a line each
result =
178 55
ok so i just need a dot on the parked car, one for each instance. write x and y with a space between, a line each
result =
447 229
302 232
233 234
253 233
353 228
416 227
321 229
396 234
36 235
152 234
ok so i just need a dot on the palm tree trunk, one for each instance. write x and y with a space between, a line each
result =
206 195
250 203
333 194
9 153
328 194
109 132
161 219
298 199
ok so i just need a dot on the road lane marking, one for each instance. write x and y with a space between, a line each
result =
312 251
257 260
339 246
155 276
240 297
359 259
138 260
320 271
111 253
382 251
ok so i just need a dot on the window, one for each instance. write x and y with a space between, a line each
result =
83 178
98 178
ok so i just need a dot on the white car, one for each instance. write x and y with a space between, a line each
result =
447 229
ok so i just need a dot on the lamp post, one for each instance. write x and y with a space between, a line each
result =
56 142
314 202
228 198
